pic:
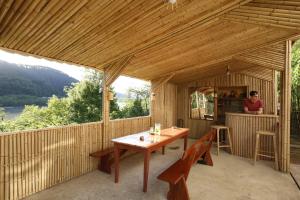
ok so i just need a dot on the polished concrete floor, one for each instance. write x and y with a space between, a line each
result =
231 178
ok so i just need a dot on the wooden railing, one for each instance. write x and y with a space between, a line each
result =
31 161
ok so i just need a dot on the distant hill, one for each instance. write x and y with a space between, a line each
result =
24 84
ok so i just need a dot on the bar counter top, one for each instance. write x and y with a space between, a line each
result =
251 115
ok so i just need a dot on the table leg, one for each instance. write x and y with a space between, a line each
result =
185 142
146 169
163 150
117 160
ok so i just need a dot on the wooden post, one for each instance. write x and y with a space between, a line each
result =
275 93
111 73
157 87
285 110
105 109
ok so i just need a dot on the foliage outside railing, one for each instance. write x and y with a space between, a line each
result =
31 161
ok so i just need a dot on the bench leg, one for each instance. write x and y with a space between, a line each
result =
104 164
178 191
207 159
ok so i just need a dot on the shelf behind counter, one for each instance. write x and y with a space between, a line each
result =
243 131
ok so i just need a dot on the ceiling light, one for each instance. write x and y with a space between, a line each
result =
172 2
227 71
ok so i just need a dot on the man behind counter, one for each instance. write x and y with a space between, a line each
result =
253 105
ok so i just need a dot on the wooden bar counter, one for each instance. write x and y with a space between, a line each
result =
243 129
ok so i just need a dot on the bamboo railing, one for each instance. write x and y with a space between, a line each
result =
31 161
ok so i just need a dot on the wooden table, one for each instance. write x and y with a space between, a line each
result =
133 143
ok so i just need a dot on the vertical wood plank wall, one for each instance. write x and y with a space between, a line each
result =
123 127
31 161
243 132
264 85
163 108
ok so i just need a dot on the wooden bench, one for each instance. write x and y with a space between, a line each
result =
177 174
106 159
203 156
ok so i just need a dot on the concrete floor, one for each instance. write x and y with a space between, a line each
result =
295 172
231 178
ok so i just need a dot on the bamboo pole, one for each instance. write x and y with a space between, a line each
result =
285 111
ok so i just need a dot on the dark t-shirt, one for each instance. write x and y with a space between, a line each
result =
253 106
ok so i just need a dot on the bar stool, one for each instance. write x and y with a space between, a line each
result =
218 128
257 149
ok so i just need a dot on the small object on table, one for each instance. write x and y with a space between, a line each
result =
142 138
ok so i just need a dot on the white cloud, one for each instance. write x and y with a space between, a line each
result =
123 83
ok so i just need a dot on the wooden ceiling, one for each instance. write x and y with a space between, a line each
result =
194 40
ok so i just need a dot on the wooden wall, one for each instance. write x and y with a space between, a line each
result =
264 85
123 127
164 107
243 132
31 161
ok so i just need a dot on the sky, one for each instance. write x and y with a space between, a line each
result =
120 85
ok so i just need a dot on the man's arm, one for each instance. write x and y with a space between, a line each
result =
249 112
260 111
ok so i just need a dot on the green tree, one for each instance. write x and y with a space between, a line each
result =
85 99
296 76
2 113
141 99
83 103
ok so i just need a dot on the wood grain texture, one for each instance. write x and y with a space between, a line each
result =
162 40
163 109
243 131
264 87
31 161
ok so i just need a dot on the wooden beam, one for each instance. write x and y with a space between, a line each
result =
111 73
114 69
285 110
161 81
105 107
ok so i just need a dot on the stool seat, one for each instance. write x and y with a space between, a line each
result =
218 128
265 133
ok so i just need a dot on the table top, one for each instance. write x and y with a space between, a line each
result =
151 140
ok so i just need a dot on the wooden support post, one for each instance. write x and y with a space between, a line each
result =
285 110
155 86
105 110
111 73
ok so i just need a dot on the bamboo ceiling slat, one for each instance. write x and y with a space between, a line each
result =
100 33
281 14
181 53
259 72
202 55
5 8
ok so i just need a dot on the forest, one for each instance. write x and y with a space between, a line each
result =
82 103
30 85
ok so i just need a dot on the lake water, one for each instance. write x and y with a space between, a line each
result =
13 112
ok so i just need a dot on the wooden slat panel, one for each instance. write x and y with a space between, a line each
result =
123 127
264 87
31 161
243 132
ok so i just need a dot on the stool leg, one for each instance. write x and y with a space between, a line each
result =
218 142
256 147
229 140
275 152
